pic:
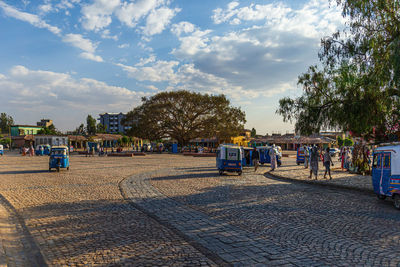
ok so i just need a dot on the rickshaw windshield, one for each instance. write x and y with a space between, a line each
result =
58 152
377 161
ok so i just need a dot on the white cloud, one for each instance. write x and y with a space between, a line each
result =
316 17
98 15
28 17
144 61
46 8
84 44
123 46
131 13
106 35
158 19
152 87
182 27
91 56
158 72
59 94
193 43
79 41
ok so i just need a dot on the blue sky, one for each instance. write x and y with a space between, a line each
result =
65 59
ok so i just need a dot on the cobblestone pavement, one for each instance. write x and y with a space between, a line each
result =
307 224
79 217
340 178
184 213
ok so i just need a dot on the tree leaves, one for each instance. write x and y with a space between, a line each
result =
357 86
184 115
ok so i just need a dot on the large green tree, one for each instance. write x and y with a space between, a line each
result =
51 130
184 115
5 122
91 125
356 85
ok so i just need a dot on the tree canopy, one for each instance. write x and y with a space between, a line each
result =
5 122
51 130
253 132
184 115
90 125
356 86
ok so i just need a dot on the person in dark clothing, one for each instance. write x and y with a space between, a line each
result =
256 158
247 156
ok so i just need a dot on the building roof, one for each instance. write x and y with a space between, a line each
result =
107 137
78 138
30 126
291 139
111 113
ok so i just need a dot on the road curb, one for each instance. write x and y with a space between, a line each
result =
318 183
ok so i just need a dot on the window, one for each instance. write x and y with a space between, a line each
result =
386 161
377 161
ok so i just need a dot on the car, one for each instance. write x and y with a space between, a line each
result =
334 152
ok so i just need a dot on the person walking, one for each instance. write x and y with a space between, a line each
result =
314 157
272 155
256 158
327 163
306 157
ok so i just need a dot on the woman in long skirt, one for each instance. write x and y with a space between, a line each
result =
272 155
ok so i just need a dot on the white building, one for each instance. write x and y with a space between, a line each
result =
53 140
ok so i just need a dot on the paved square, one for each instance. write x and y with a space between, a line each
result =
176 210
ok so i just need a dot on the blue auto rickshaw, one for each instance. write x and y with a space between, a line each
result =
229 158
46 149
386 172
1 150
300 156
263 151
39 151
266 158
59 158
247 156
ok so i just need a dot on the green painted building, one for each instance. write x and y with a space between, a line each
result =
18 130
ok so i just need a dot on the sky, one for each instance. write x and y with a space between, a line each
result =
65 59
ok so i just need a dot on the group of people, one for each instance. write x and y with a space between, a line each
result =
27 151
312 157
272 152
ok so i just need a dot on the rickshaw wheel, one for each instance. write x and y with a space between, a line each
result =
58 169
381 197
221 172
397 201
298 163
68 168
49 169
240 173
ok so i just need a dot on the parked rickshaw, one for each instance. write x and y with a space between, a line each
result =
300 157
264 154
59 158
247 156
46 149
39 151
1 150
229 159
266 158
386 172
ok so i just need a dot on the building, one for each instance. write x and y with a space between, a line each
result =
113 122
20 130
53 140
45 123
